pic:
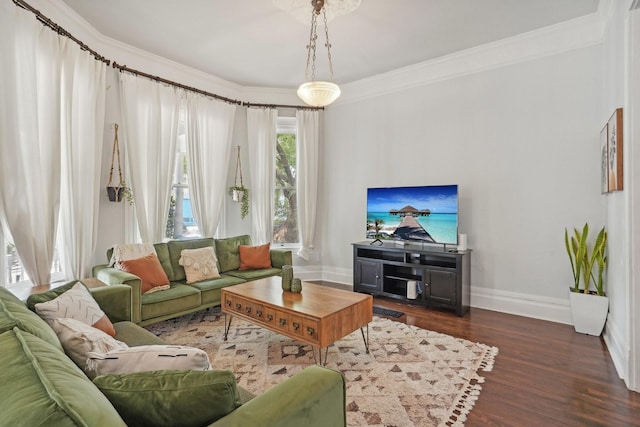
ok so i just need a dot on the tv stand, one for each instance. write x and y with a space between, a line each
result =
442 277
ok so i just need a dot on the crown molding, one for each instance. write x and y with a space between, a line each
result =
566 36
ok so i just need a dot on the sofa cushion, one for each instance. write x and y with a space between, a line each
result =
152 276
228 253
47 388
248 275
76 303
171 398
13 313
254 257
78 339
210 289
199 264
178 298
175 248
146 358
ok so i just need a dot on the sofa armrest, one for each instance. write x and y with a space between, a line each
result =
115 301
280 257
113 276
314 397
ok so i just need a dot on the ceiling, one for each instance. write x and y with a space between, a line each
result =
254 43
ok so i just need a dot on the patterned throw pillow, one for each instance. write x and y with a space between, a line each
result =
78 339
147 358
76 303
199 264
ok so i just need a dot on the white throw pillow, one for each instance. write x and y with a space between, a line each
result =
129 251
76 303
199 264
78 339
147 358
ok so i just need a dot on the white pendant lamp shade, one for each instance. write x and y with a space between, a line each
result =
318 94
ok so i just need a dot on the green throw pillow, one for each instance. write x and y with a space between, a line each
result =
228 253
171 398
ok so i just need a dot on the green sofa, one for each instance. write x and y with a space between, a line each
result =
42 386
185 298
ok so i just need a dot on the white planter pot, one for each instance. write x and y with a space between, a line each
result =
236 195
589 312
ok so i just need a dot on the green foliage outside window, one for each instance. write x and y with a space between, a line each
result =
285 222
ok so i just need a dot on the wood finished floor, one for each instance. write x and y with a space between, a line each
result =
544 375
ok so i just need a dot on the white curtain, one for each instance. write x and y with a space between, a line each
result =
307 142
149 124
209 130
29 137
83 109
261 127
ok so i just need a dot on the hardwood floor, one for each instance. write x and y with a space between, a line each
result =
545 374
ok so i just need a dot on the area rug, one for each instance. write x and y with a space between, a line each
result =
412 376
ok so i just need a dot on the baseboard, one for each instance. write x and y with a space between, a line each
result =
544 308
618 351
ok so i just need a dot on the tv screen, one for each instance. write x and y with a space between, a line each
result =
426 214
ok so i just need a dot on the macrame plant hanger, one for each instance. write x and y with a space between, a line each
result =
115 193
236 196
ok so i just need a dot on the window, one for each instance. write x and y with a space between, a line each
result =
180 224
285 215
12 270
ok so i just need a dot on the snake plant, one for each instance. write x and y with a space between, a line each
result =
584 261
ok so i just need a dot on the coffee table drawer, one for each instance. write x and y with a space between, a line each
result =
296 326
282 320
310 329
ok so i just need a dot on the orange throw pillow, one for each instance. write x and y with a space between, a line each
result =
150 272
255 257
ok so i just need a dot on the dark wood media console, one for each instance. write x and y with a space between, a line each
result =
443 277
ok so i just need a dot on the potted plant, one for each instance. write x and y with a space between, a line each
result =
240 193
589 307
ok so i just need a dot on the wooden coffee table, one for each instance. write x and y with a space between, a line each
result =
318 316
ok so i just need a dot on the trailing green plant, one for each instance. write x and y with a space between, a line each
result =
244 202
584 260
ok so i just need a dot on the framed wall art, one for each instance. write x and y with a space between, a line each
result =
604 160
614 151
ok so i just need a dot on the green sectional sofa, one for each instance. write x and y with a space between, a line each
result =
42 386
185 298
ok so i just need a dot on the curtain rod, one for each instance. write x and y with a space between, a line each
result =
172 83
58 29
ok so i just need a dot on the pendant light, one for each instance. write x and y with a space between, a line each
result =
312 92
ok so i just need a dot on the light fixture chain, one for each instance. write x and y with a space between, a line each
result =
327 44
311 58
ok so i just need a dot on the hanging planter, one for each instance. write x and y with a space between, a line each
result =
240 193
116 193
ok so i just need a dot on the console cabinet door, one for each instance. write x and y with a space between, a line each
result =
440 286
367 276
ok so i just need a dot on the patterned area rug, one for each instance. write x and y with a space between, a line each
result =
412 377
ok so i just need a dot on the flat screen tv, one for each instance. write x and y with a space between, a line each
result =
425 214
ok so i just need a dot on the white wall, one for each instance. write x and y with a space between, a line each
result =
521 141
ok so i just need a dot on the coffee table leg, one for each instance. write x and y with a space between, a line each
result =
326 351
227 326
366 340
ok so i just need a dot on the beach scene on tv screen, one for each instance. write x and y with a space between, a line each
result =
427 214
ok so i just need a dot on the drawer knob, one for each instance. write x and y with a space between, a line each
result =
296 326
238 306
228 303
259 313
283 322
247 309
269 317
311 331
